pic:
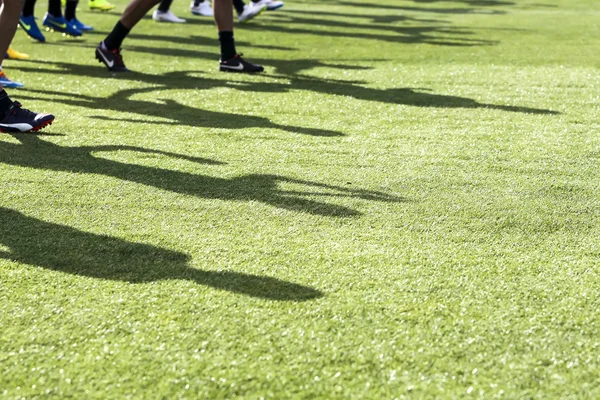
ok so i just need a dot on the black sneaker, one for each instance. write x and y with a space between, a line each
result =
111 58
19 119
238 64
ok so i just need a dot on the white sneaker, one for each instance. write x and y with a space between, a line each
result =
250 11
271 4
203 9
166 17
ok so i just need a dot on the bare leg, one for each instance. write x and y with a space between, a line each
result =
10 10
223 10
135 11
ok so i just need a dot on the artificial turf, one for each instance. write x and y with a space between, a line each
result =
404 205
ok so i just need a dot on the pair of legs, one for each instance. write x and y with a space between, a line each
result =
14 118
54 20
109 50
244 11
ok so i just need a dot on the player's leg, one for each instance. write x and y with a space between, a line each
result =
54 20
270 5
109 50
14 118
230 59
28 23
248 11
164 14
8 26
201 7
71 16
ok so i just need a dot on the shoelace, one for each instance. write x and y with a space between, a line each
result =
17 109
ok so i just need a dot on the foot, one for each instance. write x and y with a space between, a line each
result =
59 24
238 64
101 5
31 29
271 5
4 81
80 26
250 11
18 119
203 9
111 58
16 55
168 16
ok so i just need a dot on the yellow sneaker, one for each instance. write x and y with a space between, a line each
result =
15 55
101 5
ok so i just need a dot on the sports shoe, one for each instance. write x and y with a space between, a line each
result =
16 55
250 11
238 64
80 26
31 29
168 16
101 5
59 24
4 81
271 4
203 9
19 119
111 58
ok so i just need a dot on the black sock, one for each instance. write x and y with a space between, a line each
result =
28 8
5 103
198 2
239 6
70 9
227 45
165 5
55 8
115 38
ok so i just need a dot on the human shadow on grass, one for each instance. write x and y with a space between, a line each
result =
185 115
33 152
65 249
470 7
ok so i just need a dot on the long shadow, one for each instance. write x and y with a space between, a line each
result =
395 34
33 152
184 115
65 249
445 10
197 41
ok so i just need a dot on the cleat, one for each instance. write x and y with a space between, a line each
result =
168 16
111 58
59 24
250 11
204 9
238 64
80 26
31 29
101 5
271 5
15 55
18 119
4 81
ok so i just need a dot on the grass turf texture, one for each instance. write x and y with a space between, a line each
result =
404 205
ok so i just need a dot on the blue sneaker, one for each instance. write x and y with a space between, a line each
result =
31 29
59 24
80 25
4 81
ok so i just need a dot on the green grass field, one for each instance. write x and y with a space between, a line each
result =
405 205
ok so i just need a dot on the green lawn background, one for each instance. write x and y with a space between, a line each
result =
404 205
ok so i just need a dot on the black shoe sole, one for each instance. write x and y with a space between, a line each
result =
238 71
